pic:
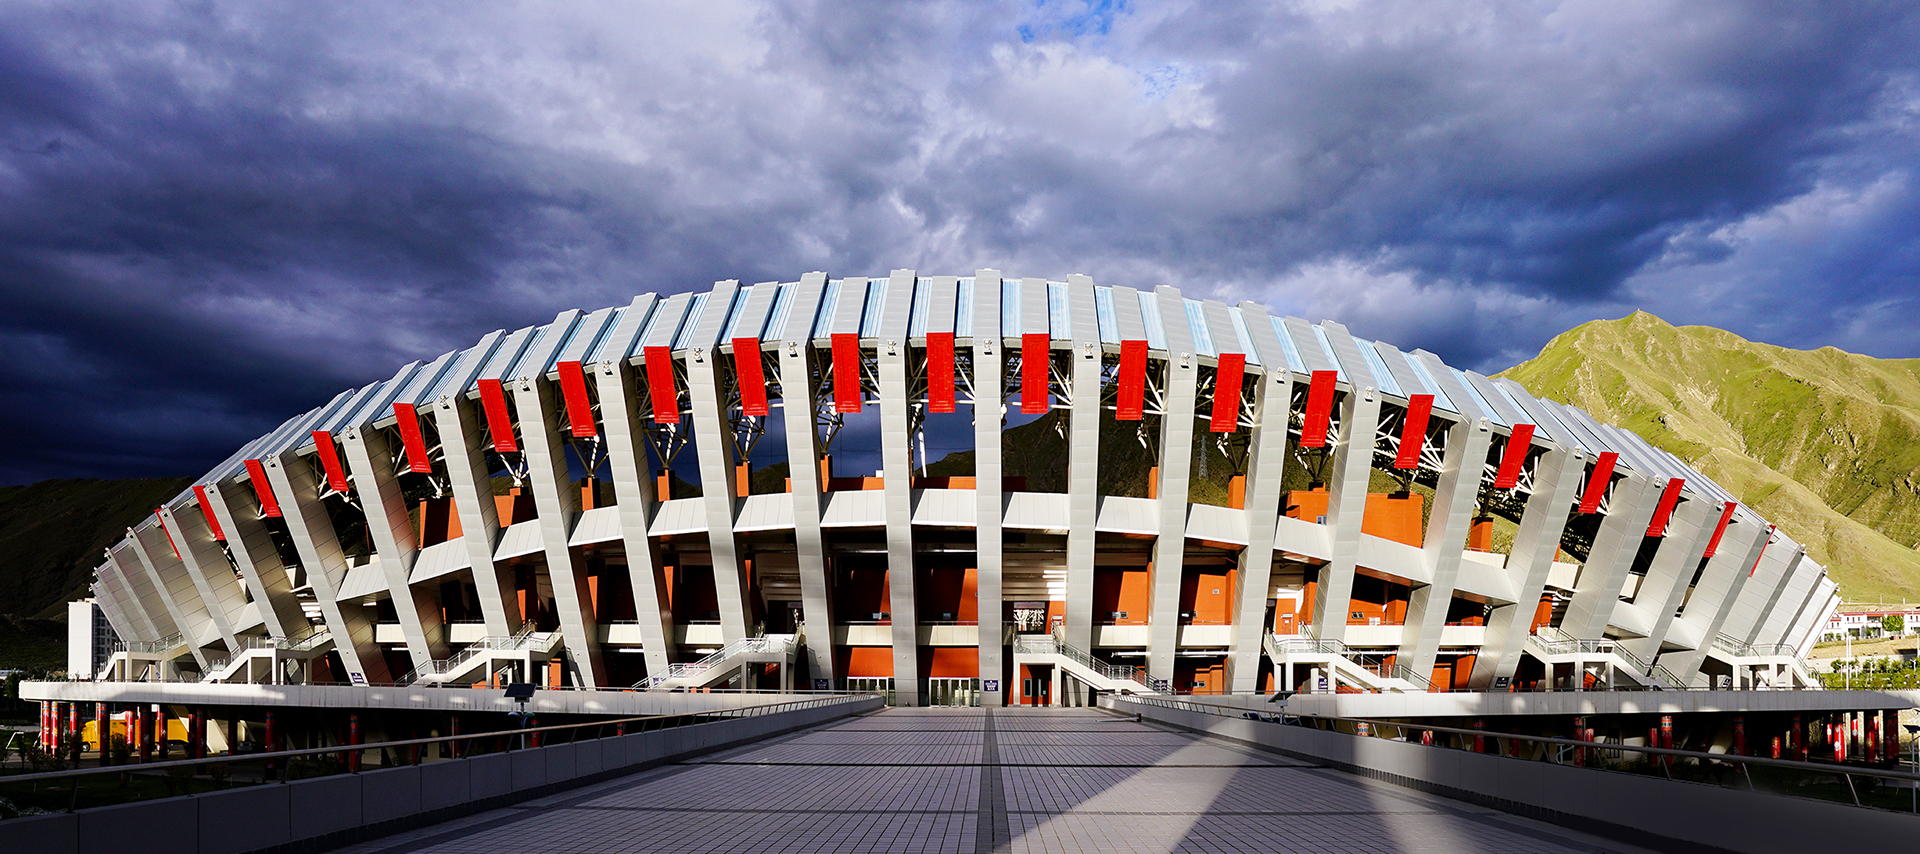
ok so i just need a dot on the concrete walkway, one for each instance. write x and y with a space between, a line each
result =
966 780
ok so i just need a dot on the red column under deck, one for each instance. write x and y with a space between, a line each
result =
1516 455
1313 429
1227 378
660 387
940 366
1413 434
1720 530
846 373
493 399
1035 357
1597 484
573 389
268 506
1664 512
407 419
1130 403
330 460
206 509
751 375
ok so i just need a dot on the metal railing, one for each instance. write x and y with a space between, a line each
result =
150 647
350 753
1570 750
1310 646
1054 644
771 644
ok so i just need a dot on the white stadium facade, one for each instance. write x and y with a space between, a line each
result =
1198 498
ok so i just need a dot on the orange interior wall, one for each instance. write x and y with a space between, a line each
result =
1388 517
949 590
870 661
1480 536
1125 589
862 591
439 521
515 507
1543 613
949 661
1198 586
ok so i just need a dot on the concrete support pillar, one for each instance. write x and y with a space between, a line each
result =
1445 540
897 477
989 395
1176 461
800 407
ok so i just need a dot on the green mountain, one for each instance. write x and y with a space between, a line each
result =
52 534
1824 443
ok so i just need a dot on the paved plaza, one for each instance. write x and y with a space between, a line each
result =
1017 780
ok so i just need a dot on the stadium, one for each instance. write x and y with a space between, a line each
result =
955 490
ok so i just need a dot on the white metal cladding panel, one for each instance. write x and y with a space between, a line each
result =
664 325
586 337
922 308
1541 417
618 342
1337 341
521 538
803 303
823 313
854 509
420 383
870 314
518 368
1128 316
1247 346
1294 362
947 508
459 376
939 314
776 325
440 559
771 512
1576 426
1490 396
1307 346
679 516
539 358
722 302
1035 511
1220 332
361 581
1150 318
1262 338
1435 385
599 525
963 308
1480 402
1409 380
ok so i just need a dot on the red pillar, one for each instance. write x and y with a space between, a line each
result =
1873 736
46 724
1426 736
1838 731
197 729
271 741
102 730
353 738
160 730
1890 725
1739 736
533 738
454 729
1579 734
1775 753
1799 735
1666 737
146 733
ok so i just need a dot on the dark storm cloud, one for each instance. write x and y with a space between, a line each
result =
214 216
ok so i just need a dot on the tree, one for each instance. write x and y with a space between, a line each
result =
1894 624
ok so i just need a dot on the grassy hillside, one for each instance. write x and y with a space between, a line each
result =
52 535
1825 444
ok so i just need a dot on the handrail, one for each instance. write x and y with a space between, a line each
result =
1598 746
739 646
1056 644
645 720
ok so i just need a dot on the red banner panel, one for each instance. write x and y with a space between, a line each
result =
493 399
846 373
1036 356
1313 429
330 460
1597 484
940 366
268 506
1515 456
660 387
407 419
206 509
1130 403
1664 512
1413 434
1226 392
752 376
1720 530
573 389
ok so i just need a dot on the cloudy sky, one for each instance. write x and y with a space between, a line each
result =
214 215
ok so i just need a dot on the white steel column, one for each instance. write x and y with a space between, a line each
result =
176 590
713 436
1611 557
1720 586
318 546
1083 459
1346 509
463 447
258 561
1266 468
1464 461
635 494
989 398
369 458
558 501
799 405
1176 462
896 470
208 568
1671 569
1556 480
138 585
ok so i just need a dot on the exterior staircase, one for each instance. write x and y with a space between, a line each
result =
725 663
1345 668
1553 646
1080 664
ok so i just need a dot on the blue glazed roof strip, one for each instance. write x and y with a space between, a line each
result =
922 307
1246 337
1308 347
823 317
1059 316
1150 316
1197 328
782 305
1103 316
735 313
692 321
1286 345
1440 397
870 313
518 367
421 387
1383 377
963 308
618 342
1486 408
1010 308
1326 347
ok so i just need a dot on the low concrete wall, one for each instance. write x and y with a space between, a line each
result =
412 698
1646 811
328 812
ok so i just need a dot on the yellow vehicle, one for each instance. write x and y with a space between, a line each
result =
117 727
